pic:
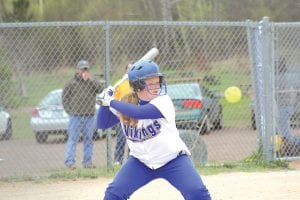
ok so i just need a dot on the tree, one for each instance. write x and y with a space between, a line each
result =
194 10
63 10
20 12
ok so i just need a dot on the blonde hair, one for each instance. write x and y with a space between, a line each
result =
133 99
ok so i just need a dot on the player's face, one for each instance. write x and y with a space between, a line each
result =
151 90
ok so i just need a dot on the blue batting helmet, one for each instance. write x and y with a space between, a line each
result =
142 70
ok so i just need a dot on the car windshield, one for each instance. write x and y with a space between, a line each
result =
184 91
53 98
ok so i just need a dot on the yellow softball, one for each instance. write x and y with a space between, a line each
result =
233 94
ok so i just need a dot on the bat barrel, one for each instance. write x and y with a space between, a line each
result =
151 54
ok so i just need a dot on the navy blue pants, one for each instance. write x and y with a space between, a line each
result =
179 172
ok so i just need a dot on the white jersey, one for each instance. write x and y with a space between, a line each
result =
155 142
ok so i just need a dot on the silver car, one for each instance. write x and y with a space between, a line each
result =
5 125
49 117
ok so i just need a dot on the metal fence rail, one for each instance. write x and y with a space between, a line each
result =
37 58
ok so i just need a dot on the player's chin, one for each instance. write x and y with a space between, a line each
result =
155 92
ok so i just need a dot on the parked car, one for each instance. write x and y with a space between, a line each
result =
5 125
196 107
49 117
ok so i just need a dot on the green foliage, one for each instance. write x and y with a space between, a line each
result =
20 12
67 10
192 10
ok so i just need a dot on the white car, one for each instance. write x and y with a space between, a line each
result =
5 125
49 117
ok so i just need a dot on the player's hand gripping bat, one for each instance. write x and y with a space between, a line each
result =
150 55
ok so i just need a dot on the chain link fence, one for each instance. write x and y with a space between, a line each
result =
274 49
37 60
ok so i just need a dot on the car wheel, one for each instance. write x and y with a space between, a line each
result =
217 124
8 133
253 122
203 129
196 145
66 136
204 126
96 135
41 137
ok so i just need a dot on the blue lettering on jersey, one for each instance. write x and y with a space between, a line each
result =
142 134
126 131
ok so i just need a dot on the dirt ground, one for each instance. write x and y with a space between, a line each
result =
275 185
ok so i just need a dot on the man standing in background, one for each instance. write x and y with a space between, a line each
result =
79 100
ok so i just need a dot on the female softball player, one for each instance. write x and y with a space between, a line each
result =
148 122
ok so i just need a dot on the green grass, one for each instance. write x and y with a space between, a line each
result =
236 114
253 163
243 167
39 85
211 169
21 124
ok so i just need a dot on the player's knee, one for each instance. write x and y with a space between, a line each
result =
111 196
199 194
116 192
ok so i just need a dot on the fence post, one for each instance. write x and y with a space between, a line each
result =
255 56
261 52
107 81
268 90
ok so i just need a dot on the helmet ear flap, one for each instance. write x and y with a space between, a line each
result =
162 80
138 85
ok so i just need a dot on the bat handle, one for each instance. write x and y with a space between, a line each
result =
125 77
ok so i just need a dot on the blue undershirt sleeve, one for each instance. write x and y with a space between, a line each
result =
147 111
105 118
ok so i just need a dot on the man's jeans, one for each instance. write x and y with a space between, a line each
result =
120 146
86 125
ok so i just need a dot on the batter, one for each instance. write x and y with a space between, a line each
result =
147 117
